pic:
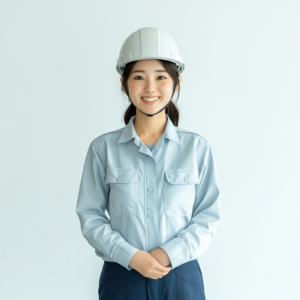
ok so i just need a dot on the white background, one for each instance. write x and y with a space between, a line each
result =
240 90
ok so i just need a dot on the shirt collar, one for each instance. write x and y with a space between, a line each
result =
129 132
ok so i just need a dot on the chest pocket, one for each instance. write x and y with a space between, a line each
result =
123 191
180 187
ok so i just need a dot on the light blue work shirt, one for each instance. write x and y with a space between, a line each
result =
166 195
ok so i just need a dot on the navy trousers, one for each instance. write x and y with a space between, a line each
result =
184 282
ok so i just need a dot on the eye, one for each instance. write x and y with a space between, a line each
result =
137 77
161 77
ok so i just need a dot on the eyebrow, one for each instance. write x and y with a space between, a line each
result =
142 71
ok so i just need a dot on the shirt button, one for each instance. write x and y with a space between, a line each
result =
150 216
120 178
186 179
169 213
150 188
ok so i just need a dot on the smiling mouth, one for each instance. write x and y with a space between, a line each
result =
150 99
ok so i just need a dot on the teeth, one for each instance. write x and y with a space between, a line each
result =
150 99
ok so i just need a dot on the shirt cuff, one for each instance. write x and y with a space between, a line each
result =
177 251
123 254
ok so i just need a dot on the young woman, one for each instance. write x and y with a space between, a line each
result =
158 183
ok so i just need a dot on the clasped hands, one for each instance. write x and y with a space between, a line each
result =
153 264
161 256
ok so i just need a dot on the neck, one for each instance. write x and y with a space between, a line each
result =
150 127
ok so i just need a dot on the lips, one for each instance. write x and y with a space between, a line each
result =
150 98
150 102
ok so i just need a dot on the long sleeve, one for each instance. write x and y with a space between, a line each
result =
191 242
91 204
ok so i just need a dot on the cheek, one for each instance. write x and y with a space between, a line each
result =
166 88
134 88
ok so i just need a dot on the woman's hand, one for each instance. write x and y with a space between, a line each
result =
147 265
161 256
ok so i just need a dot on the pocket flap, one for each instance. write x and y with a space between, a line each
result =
121 175
182 176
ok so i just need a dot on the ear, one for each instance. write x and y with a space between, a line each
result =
177 87
121 79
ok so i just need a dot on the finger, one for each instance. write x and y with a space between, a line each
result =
161 268
165 270
159 274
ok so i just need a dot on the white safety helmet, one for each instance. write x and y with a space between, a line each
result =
149 43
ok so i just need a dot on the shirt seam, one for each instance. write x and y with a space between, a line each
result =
145 202
112 254
113 131
99 155
202 151
201 177
187 246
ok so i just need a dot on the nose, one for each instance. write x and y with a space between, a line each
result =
150 86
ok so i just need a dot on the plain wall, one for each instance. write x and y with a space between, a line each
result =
240 90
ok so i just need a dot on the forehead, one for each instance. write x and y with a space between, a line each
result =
148 65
